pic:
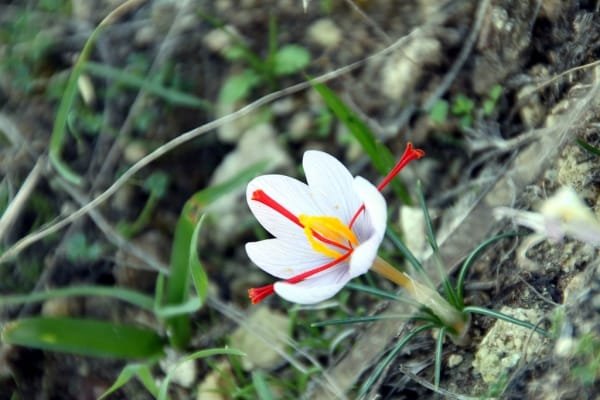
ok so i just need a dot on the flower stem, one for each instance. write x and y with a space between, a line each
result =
424 295
386 270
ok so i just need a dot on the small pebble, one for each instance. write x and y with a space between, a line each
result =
325 33
454 360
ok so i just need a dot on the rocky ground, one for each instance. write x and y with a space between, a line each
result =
500 94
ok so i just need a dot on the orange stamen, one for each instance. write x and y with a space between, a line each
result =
260 196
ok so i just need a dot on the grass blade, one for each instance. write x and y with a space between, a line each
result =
507 318
199 277
448 289
176 290
588 147
390 357
406 253
126 295
129 79
184 249
464 269
59 130
360 320
190 306
141 371
84 337
438 356
261 387
380 155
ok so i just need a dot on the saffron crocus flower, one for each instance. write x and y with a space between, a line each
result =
326 232
563 214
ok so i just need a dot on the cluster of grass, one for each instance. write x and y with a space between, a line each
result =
464 109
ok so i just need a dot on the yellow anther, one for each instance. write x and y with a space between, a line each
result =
323 232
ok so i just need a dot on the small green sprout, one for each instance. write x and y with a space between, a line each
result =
286 60
78 249
462 107
439 112
465 109
587 350
156 186
490 103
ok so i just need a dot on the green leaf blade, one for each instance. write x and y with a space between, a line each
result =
380 155
129 296
184 257
238 87
291 59
83 337
132 80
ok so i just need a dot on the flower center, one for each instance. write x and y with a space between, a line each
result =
322 231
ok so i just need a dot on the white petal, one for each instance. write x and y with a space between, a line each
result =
585 231
375 204
292 194
376 213
363 256
314 289
284 259
529 219
331 183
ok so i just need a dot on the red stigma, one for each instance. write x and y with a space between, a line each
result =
258 294
410 154
314 271
260 196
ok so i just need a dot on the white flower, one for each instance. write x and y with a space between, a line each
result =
326 232
563 214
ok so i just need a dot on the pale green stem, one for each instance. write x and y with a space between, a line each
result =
424 295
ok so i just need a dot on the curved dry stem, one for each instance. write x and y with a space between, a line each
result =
16 206
34 237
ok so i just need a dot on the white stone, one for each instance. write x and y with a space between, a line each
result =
454 360
299 126
134 151
145 36
325 33
283 107
505 343
218 40
259 352
184 374
211 387
564 346
412 223
402 71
